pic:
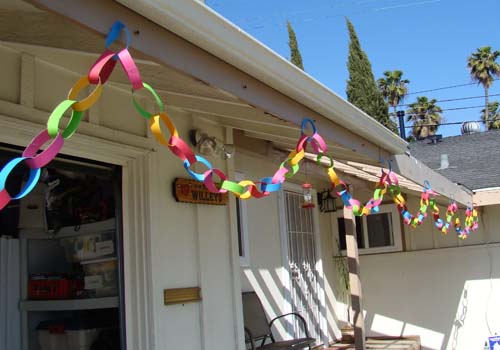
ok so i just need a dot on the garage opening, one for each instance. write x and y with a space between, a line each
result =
61 258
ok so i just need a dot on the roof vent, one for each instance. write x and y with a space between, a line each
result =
470 128
444 161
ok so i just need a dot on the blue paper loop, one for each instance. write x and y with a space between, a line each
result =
30 184
267 185
114 34
197 176
303 126
427 185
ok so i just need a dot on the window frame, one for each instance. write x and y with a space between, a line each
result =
396 231
242 226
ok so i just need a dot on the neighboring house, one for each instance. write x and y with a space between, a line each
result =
443 288
215 78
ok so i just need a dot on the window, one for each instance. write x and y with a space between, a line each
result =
376 233
241 222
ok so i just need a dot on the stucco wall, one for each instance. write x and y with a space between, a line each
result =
265 273
445 289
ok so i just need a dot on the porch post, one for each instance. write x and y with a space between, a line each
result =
354 280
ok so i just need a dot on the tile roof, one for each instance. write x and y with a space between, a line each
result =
474 159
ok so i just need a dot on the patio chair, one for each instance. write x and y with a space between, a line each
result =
258 329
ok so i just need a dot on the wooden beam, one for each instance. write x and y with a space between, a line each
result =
487 197
354 280
168 49
414 170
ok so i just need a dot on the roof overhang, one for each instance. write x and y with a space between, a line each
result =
192 39
487 196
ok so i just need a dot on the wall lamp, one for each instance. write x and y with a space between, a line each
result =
326 201
210 145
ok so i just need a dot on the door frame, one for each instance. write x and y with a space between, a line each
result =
287 306
135 208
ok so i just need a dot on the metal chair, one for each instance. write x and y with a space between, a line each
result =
257 328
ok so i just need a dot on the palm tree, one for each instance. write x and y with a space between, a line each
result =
393 88
492 120
426 116
484 68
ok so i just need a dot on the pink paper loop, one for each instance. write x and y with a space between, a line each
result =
209 181
279 176
319 141
130 69
42 159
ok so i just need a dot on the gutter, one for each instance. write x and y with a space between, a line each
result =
203 27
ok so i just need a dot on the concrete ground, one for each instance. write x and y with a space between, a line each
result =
388 343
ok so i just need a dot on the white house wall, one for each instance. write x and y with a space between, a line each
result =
442 288
187 245
445 296
265 273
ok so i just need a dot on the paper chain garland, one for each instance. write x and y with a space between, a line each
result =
98 75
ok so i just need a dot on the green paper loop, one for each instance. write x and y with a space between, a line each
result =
233 187
56 116
145 114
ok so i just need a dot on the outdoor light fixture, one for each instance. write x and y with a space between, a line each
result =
326 201
308 198
210 145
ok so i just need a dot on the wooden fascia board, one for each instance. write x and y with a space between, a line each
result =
416 171
164 47
487 197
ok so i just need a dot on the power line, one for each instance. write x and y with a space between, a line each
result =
456 99
362 10
443 88
452 123
446 109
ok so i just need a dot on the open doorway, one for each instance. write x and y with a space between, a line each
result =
61 258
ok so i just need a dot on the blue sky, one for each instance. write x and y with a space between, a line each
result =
429 40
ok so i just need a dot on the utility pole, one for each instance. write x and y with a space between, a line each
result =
401 118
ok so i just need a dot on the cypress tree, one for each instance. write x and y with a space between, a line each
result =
361 88
295 56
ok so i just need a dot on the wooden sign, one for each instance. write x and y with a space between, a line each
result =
192 191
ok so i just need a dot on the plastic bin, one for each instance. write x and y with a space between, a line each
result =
52 341
101 277
65 334
81 339
88 247
53 287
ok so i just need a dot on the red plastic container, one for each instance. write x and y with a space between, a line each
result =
53 288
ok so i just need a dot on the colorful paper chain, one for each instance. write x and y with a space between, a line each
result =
99 74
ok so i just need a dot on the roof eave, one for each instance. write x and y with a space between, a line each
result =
208 30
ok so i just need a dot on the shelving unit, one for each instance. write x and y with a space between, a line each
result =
42 252
66 232
69 304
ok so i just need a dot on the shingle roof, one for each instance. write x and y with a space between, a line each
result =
474 159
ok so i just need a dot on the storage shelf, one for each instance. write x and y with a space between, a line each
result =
95 227
69 304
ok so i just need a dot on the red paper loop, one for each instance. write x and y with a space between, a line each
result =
4 198
102 68
181 149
